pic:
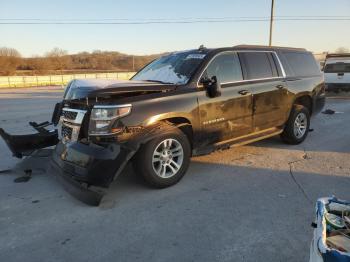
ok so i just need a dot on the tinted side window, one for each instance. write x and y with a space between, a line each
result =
257 65
226 67
302 64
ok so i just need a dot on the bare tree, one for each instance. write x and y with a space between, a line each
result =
57 52
38 65
10 52
342 50
9 60
59 58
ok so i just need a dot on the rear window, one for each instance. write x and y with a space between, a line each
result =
257 65
339 67
302 64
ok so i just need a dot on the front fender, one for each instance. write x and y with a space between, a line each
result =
163 117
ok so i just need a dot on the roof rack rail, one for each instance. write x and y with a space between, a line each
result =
201 48
268 47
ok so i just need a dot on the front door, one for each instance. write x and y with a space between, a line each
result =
229 115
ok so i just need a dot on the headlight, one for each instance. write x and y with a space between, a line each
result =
103 116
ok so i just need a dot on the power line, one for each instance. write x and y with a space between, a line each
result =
169 19
103 22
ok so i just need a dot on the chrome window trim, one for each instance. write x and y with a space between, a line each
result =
280 64
246 80
252 80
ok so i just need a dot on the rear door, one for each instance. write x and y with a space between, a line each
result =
229 115
271 100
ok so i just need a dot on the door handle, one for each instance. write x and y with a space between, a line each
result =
280 87
243 92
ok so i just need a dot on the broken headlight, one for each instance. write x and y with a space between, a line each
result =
103 116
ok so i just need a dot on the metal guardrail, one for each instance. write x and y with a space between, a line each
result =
52 80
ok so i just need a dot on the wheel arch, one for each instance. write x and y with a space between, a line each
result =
304 100
164 123
184 125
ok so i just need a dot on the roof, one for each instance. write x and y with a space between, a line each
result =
205 50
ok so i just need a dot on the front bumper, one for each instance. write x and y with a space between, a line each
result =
86 170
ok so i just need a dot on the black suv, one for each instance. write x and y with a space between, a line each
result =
180 105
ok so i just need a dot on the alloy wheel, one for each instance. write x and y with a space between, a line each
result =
167 158
300 125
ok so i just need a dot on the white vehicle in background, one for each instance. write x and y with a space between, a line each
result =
337 72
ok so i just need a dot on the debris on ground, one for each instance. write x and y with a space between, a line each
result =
25 178
331 112
65 241
5 171
306 156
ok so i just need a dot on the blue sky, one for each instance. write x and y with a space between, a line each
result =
146 39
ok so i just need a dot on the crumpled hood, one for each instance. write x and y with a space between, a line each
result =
81 88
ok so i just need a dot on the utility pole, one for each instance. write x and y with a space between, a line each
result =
271 20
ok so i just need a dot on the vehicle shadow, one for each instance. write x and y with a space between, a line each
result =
321 139
241 212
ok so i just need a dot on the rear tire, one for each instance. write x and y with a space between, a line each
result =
297 127
164 160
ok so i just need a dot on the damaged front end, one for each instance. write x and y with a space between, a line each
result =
91 145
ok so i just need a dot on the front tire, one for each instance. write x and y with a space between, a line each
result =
297 127
164 160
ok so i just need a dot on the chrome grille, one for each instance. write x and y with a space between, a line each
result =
71 122
66 132
69 115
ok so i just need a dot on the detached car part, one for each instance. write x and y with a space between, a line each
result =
24 145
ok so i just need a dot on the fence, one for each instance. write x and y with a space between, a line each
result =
51 80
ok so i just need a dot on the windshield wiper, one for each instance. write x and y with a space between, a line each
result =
161 82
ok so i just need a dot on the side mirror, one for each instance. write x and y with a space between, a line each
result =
212 86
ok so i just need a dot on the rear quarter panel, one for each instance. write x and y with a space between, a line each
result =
308 86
